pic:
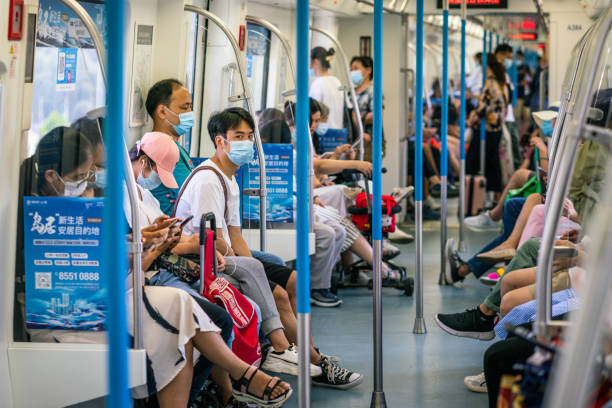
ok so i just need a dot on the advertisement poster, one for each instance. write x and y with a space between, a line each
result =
279 184
63 271
59 27
66 69
332 139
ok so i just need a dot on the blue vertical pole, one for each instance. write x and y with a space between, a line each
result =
496 40
462 132
482 122
378 395
303 257
419 321
444 140
114 226
514 76
490 41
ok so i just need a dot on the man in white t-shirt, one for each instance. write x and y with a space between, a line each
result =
212 187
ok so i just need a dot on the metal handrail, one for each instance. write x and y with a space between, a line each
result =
347 72
559 189
574 368
565 103
248 99
542 97
136 245
287 47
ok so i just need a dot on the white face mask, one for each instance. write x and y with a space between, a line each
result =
73 188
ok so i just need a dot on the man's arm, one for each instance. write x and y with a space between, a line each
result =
239 245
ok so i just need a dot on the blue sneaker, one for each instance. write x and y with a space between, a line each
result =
324 298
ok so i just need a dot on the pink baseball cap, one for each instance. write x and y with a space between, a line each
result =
164 152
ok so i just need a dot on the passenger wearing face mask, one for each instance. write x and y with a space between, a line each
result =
91 126
325 87
213 188
60 167
169 105
504 55
361 76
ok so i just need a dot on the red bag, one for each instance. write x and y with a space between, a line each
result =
221 292
363 220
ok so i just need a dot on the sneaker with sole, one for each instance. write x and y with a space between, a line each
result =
489 279
453 262
429 201
333 359
476 383
482 222
400 237
286 362
430 214
334 376
324 298
399 193
472 323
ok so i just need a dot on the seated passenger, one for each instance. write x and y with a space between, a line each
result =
64 159
216 191
169 105
246 274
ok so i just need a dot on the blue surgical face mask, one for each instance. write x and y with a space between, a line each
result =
356 77
312 73
322 129
293 136
100 181
241 152
151 182
547 127
185 123
507 63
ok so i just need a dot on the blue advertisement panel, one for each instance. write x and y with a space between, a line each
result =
66 69
58 26
279 184
63 252
332 139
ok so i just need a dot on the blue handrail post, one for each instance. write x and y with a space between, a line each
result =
490 41
497 40
303 259
114 226
378 395
482 122
444 140
462 133
419 321
514 75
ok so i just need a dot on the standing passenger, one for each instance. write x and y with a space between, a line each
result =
325 87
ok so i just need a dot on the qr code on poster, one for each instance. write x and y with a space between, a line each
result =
43 280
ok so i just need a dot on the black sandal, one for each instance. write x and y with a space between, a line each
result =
240 390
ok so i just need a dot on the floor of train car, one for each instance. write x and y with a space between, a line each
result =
419 370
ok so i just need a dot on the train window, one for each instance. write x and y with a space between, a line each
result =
258 62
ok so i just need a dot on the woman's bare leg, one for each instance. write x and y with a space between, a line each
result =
518 279
176 393
514 238
213 347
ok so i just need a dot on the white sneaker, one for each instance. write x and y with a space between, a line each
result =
431 203
482 222
286 362
399 193
400 237
476 383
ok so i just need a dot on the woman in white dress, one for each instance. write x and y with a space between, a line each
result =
325 87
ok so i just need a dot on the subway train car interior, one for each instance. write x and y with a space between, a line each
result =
305 203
